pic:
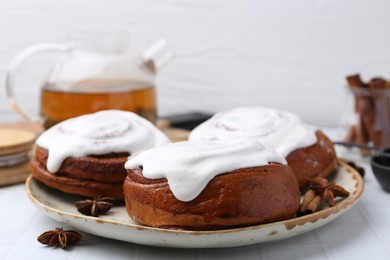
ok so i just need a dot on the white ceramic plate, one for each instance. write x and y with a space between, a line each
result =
116 224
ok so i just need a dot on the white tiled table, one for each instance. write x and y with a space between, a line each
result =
363 232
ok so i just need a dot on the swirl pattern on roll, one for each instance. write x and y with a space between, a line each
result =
278 130
104 132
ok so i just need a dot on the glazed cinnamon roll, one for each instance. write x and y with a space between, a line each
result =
85 155
209 185
308 151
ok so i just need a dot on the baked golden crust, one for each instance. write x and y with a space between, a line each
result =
87 176
316 160
239 198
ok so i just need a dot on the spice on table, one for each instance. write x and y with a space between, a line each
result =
96 206
60 237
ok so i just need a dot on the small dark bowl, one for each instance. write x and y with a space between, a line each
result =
381 167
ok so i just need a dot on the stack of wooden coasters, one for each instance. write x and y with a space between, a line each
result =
15 151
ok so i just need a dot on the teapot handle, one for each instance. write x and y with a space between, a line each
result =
15 64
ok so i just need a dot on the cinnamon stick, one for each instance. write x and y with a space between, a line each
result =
372 106
355 81
310 203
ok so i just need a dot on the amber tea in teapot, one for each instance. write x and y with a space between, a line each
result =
57 105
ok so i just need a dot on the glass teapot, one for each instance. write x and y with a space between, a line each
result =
94 72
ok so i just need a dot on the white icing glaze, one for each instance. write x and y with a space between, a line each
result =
99 133
278 130
189 166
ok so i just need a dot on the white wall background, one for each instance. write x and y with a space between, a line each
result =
291 55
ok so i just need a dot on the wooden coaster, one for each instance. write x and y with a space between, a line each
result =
15 174
15 141
15 145
176 134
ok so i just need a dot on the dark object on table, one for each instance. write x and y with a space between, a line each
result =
381 167
60 238
188 120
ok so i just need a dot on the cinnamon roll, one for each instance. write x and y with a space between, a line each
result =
308 151
209 185
85 155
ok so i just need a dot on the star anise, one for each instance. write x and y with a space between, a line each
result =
60 237
327 190
96 206
320 189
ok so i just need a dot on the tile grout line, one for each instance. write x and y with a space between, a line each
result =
323 243
364 213
18 243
